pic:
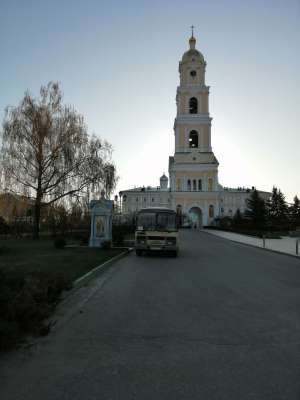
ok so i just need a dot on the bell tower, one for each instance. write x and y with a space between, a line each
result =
194 167
192 104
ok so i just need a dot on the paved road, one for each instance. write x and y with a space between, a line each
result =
222 321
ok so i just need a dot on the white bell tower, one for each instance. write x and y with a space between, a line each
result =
194 166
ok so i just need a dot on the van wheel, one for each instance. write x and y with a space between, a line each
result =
138 252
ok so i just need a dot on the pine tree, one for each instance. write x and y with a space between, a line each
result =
278 209
256 210
237 219
295 213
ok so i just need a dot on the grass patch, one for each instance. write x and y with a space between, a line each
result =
33 275
26 256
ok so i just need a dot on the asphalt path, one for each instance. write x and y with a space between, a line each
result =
221 321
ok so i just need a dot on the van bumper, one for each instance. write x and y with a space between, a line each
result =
164 247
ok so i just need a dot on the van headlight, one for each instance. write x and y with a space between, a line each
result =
140 240
171 241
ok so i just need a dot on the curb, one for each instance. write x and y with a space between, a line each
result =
100 268
253 245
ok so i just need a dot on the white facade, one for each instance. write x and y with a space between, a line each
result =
194 188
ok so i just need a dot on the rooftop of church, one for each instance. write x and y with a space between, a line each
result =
159 189
146 189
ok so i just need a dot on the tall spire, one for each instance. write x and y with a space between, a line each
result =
192 28
192 40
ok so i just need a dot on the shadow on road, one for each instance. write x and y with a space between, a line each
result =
158 254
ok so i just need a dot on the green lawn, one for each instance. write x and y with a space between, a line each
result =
18 257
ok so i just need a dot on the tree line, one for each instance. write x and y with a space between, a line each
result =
48 156
271 215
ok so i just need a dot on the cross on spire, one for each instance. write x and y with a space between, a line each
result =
192 28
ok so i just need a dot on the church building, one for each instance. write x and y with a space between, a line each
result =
193 188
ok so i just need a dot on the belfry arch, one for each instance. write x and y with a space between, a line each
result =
194 139
193 105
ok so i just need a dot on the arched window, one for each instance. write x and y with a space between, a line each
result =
211 211
178 184
124 197
194 184
193 105
199 184
189 185
193 139
210 184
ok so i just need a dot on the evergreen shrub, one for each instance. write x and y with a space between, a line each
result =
25 303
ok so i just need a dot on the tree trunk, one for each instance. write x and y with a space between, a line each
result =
36 219
39 192
37 208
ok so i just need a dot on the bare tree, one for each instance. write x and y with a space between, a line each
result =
48 155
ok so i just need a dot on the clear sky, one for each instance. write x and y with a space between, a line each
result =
117 62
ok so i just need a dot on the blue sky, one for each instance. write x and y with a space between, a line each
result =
117 63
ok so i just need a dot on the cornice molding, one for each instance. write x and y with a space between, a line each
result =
188 88
193 167
190 119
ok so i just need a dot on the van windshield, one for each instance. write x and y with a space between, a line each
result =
146 221
160 221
